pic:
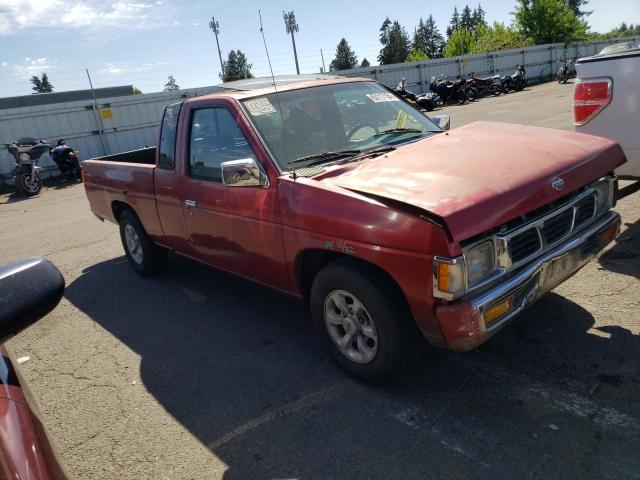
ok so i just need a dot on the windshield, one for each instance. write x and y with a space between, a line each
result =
318 124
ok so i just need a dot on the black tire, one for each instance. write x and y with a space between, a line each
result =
472 94
389 315
521 84
152 259
26 186
563 79
495 90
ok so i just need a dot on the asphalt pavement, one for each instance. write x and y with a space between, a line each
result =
198 374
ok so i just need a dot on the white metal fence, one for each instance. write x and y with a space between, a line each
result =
540 62
120 124
114 125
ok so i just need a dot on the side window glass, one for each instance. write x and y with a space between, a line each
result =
167 159
215 138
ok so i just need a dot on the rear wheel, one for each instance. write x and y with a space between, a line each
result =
520 84
495 90
361 321
144 256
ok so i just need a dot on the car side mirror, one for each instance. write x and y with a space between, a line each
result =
245 172
443 121
29 289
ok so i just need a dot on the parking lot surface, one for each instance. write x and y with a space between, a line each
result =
198 375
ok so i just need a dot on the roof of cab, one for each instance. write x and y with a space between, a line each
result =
252 87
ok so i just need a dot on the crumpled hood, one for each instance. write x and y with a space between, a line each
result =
483 174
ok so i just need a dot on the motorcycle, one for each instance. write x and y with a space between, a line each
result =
516 81
424 101
68 162
449 92
26 172
485 86
565 71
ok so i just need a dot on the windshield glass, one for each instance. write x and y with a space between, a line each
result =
324 122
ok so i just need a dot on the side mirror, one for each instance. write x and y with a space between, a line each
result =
29 289
443 121
245 172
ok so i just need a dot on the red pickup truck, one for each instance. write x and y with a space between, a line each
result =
338 191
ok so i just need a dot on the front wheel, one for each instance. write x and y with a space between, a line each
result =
472 94
361 322
29 184
563 79
144 256
495 90
520 84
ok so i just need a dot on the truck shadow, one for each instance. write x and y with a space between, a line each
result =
238 366
624 256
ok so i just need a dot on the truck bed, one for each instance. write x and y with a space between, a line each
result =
145 155
618 120
126 178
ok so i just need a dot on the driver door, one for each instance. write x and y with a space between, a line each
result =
233 228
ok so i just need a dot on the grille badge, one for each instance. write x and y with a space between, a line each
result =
557 183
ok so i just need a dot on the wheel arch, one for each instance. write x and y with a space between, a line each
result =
310 262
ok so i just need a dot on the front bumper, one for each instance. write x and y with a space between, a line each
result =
463 321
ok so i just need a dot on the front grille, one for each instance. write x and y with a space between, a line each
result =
585 209
547 230
557 227
524 244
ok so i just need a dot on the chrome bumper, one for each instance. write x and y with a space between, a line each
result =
463 321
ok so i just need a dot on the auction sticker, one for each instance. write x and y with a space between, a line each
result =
383 97
260 106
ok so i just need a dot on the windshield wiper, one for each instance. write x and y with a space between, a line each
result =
321 157
399 131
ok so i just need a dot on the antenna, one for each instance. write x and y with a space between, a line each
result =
267 50
273 78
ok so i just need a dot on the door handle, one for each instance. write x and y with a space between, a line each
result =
190 203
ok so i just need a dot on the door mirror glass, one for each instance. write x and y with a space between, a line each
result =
245 172
443 121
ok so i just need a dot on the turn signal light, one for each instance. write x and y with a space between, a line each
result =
496 311
590 97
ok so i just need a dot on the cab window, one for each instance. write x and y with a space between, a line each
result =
215 138
167 158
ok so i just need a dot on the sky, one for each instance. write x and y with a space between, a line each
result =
141 42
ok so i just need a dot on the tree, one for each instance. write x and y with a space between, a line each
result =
498 37
365 63
576 6
460 43
416 56
345 58
477 17
466 18
137 91
549 21
427 38
454 23
41 85
395 43
236 67
171 85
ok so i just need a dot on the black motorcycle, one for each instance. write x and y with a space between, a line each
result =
27 173
68 162
424 101
449 92
565 71
515 82
485 86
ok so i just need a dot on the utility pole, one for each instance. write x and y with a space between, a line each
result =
96 116
213 25
292 27
324 69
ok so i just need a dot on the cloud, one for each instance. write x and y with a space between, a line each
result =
21 15
131 67
29 67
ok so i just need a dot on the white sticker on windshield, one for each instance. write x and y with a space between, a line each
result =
383 97
260 106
